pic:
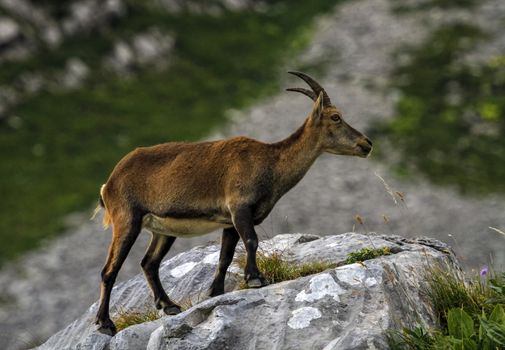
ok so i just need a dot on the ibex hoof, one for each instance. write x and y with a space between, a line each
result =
172 310
106 327
257 282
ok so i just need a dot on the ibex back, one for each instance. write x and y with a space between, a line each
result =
188 189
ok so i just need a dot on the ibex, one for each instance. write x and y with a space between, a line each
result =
189 189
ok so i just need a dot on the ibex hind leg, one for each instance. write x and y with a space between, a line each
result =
158 248
126 228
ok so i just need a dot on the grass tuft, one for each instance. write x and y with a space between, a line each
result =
448 291
276 268
470 314
366 254
127 318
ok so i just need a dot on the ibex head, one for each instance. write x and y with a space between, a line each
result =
337 136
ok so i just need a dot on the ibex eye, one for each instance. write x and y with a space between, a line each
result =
336 118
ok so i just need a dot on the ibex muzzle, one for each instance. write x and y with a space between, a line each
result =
185 189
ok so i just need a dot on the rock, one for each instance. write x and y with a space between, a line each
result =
31 82
151 45
214 8
75 73
8 96
347 307
9 31
149 48
52 36
88 14
134 337
121 57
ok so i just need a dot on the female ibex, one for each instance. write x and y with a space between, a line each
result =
188 189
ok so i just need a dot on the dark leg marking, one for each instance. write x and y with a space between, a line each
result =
229 241
158 248
243 222
124 235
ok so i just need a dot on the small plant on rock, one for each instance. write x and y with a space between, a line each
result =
471 315
366 254
276 268
127 318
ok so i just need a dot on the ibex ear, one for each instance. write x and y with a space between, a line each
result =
317 109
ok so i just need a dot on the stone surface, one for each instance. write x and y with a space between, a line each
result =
211 7
134 337
151 47
348 307
75 73
9 30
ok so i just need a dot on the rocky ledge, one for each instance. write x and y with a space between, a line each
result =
351 306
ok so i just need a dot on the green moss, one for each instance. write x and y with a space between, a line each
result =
366 254
68 142
275 268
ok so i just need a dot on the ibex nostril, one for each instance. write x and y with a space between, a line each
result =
364 148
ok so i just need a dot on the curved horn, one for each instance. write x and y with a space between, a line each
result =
314 86
306 92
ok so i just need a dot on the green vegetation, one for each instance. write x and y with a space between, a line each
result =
450 116
366 254
125 319
54 162
471 315
276 268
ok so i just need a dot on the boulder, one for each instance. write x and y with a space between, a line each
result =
9 31
351 306
211 7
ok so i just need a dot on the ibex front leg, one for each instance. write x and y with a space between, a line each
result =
244 223
229 241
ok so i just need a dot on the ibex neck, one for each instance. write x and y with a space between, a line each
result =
295 155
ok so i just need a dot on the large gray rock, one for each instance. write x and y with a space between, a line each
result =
348 307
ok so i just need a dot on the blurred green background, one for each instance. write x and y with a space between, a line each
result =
59 144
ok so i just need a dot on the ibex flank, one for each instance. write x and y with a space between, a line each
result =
189 189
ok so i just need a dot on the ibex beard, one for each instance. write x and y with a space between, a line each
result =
189 189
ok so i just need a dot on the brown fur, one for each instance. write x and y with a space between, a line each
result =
231 183
206 179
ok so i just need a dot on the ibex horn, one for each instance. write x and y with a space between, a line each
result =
306 92
314 86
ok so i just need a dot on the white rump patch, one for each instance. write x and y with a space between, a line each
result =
183 269
320 286
301 317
